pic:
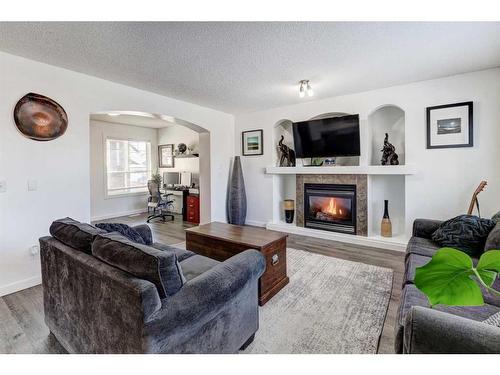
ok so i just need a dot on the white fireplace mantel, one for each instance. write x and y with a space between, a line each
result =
408 169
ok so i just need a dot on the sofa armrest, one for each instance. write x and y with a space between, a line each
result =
145 232
431 331
425 227
203 297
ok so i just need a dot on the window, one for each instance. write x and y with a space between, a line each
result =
128 166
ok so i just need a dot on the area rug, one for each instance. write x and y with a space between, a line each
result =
330 306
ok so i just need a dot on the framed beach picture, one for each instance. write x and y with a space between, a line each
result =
450 126
252 142
166 156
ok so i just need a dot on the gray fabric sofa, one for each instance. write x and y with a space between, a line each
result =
443 329
93 307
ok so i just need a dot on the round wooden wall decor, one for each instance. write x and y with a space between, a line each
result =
40 118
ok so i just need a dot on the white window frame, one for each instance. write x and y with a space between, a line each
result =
149 157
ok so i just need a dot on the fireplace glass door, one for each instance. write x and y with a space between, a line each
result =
330 207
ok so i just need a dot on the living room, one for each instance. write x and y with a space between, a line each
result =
221 195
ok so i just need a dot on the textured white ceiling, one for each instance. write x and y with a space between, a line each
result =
245 66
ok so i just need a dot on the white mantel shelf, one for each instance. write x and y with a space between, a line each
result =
408 169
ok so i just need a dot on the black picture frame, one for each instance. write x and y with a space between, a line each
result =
261 143
162 163
470 125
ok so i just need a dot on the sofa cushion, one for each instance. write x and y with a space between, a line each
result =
421 246
425 227
124 230
144 262
467 233
493 239
196 265
411 263
493 320
490 298
75 234
181 253
411 296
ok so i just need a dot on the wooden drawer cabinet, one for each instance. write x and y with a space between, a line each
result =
193 209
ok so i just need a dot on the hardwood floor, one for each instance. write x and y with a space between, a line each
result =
22 329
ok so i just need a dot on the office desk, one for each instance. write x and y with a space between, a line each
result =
181 194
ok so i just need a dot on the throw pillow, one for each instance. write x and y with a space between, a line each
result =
124 230
144 262
496 217
467 233
75 234
493 320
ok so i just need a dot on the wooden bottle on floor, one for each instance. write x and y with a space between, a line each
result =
386 226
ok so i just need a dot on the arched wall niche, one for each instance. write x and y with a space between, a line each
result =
390 119
328 115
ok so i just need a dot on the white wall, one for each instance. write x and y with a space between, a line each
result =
205 186
61 167
101 206
445 179
180 134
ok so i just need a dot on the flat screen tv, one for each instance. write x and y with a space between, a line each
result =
335 136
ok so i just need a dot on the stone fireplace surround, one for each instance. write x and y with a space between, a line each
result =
361 182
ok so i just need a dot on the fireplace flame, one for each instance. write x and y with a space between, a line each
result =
332 207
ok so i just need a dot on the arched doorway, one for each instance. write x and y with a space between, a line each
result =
132 125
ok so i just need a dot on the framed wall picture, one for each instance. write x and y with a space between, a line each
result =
450 126
166 156
252 142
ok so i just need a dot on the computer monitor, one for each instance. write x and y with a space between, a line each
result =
171 178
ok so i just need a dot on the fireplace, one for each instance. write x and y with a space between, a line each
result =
330 207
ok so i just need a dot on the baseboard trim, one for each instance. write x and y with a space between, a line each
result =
20 285
255 223
118 214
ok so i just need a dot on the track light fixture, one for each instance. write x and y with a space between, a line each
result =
305 87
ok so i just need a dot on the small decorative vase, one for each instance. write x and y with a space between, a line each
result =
289 206
236 197
386 226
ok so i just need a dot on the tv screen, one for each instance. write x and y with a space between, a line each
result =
335 136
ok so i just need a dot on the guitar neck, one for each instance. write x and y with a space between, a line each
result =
472 204
473 201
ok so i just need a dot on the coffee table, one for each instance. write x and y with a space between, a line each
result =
221 241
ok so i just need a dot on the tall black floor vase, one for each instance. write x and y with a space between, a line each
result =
236 197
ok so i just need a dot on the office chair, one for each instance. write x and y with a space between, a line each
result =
158 202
